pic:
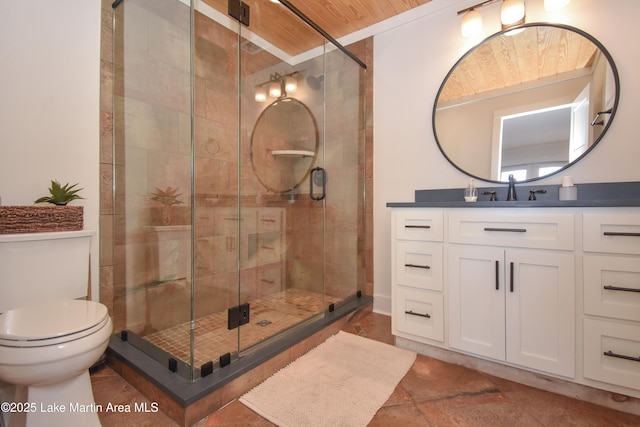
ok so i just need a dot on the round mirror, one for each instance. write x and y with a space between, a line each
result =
284 144
530 101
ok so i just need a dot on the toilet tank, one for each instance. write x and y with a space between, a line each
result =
37 267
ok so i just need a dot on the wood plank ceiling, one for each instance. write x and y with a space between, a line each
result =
274 23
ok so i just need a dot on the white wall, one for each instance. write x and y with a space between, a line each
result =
412 60
49 103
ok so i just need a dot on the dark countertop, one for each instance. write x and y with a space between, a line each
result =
615 194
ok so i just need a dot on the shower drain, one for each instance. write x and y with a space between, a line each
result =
263 323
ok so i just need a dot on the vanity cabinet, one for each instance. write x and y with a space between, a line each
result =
511 291
612 297
501 281
553 290
418 274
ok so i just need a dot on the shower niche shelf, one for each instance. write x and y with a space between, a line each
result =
293 153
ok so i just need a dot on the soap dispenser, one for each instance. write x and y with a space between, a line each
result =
471 192
567 191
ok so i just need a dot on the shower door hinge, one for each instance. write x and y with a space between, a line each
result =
238 316
239 10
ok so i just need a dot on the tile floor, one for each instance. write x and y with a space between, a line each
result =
433 393
282 310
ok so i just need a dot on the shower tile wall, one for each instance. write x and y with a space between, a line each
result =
215 187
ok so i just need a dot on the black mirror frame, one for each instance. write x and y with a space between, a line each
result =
586 35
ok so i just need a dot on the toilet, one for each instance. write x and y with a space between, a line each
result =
49 334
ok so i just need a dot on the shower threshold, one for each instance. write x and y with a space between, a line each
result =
155 379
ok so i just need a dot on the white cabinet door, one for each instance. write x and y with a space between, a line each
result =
476 300
540 316
513 305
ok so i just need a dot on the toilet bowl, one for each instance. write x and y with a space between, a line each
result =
46 350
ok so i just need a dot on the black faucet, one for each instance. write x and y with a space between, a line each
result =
511 194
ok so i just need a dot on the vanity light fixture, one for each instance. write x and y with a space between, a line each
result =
471 23
277 86
290 84
261 94
275 89
512 13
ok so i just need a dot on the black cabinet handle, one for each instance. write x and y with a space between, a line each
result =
618 288
509 230
615 233
511 281
497 275
621 356
417 226
428 316
426 267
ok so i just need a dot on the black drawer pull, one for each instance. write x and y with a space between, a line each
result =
417 226
510 230
620 356
428 316
426 267
615 233
618 288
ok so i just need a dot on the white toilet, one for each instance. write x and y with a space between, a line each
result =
48 337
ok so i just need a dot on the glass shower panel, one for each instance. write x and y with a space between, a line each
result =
218 240
152 140
344 161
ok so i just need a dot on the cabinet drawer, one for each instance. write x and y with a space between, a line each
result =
270 219
611 353
419 265
509 228
612 286
419 313
419 224
614 233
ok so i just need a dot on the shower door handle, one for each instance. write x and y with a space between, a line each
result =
317 176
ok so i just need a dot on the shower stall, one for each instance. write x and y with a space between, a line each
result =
239 178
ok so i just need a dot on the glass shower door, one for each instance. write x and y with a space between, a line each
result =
281 135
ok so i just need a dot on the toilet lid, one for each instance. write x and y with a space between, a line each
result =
52 319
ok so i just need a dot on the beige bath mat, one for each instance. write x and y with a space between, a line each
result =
342 382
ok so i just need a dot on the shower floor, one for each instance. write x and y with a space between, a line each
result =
269 316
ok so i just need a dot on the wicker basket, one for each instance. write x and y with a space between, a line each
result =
40 218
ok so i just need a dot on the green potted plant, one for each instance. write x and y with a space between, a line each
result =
60 195
167 211
56 215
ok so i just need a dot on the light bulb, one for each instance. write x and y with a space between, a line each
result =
261 94
290 84
471 23
512 12
274 89
551 5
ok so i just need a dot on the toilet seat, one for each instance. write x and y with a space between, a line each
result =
51 323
